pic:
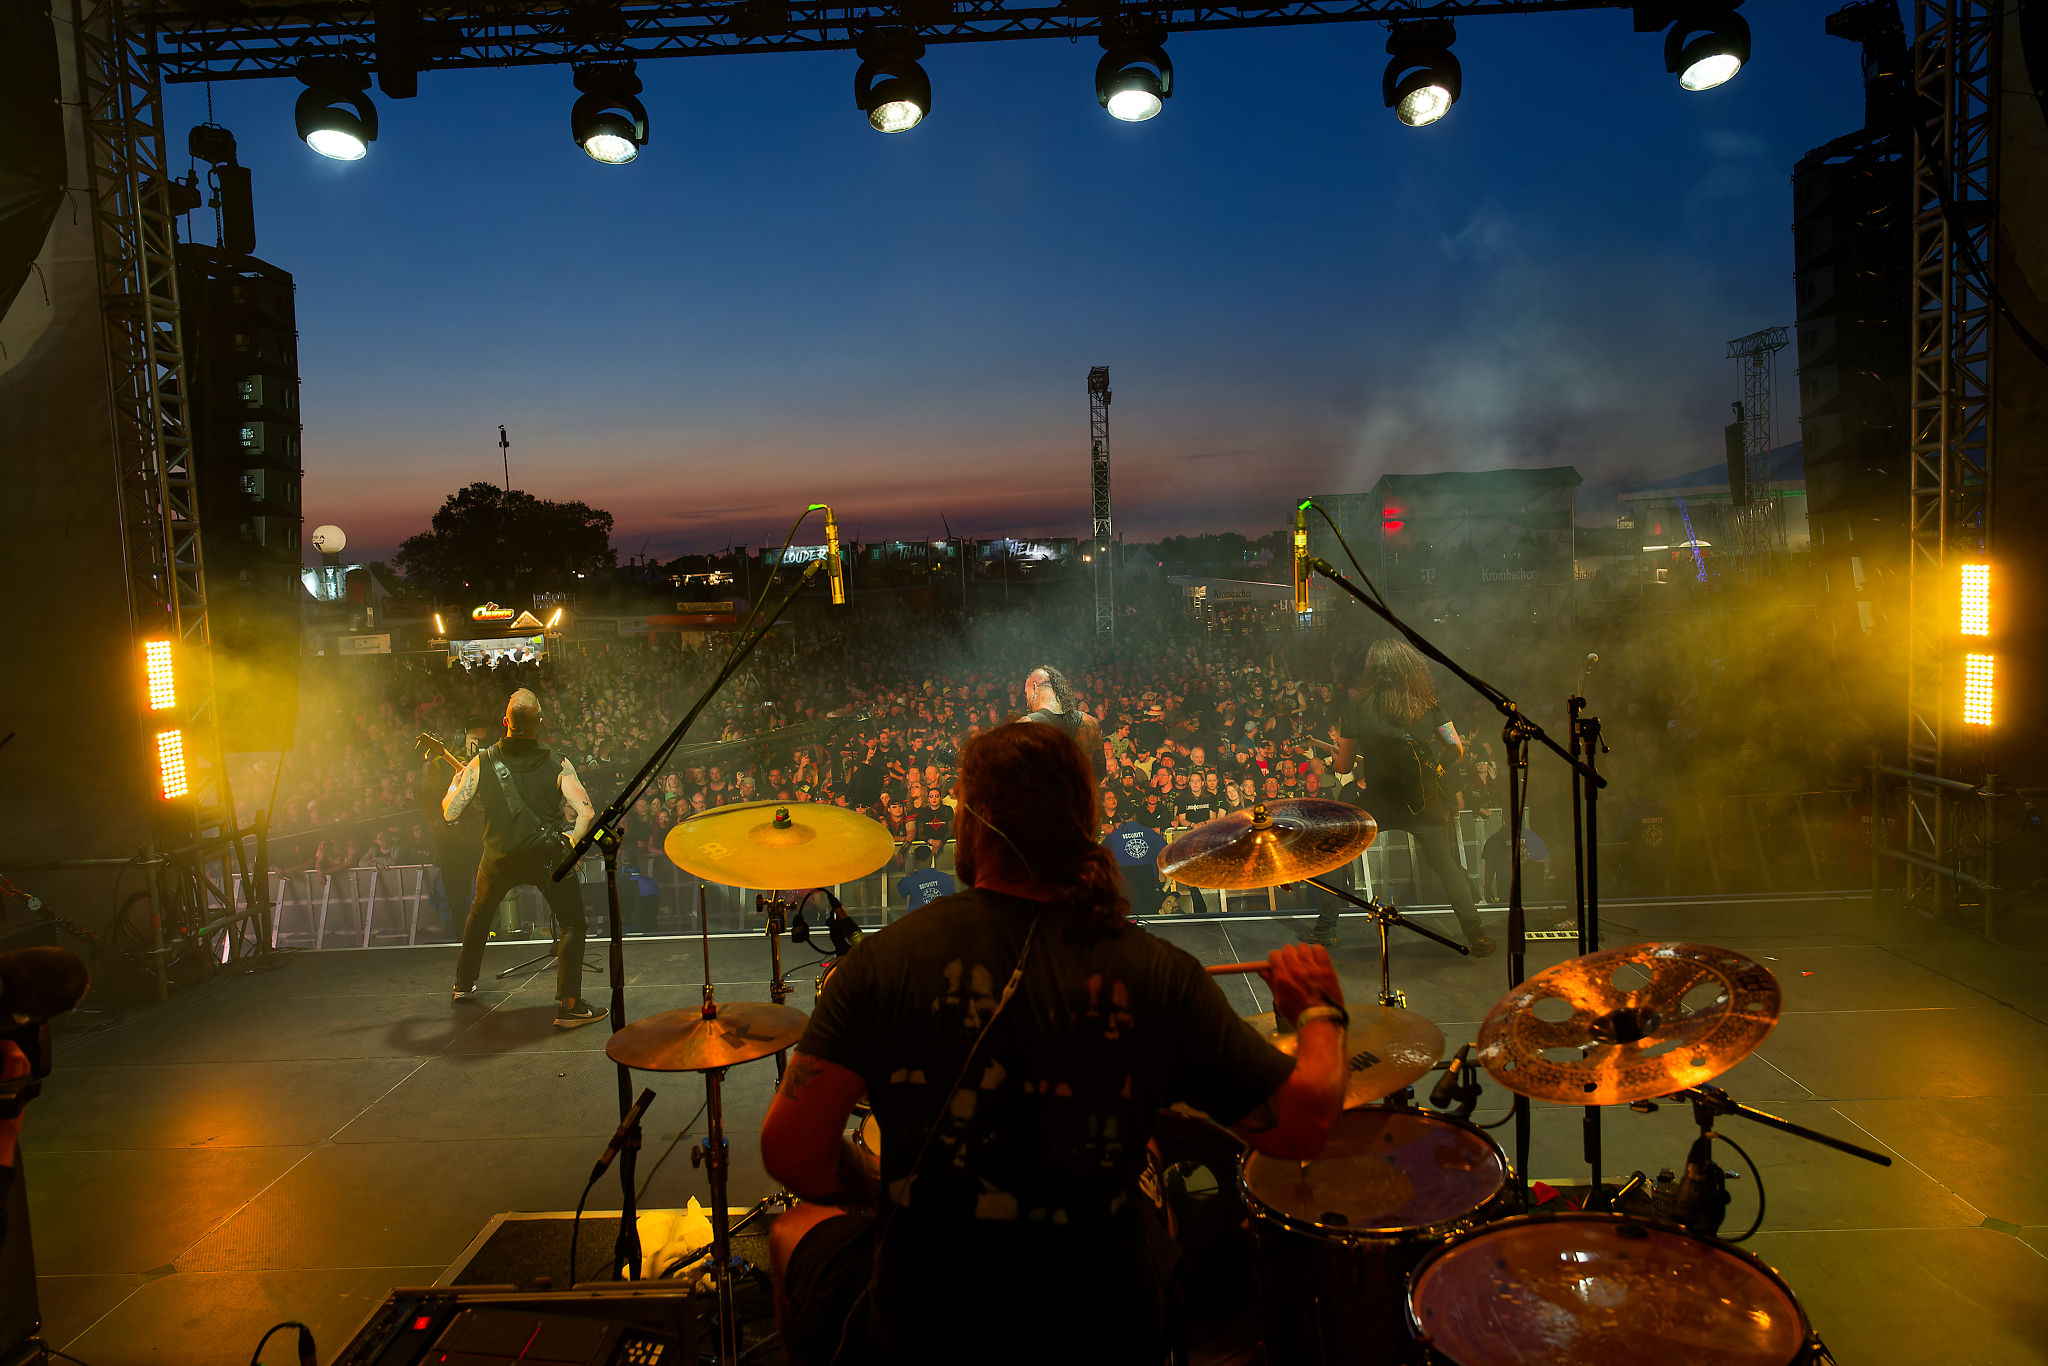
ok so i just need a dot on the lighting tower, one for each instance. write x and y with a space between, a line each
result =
1757 532
1098 478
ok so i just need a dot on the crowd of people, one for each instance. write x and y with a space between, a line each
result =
1195 723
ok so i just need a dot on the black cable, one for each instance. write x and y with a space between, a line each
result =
306 1350
1756 1176
1356 567
48 1350
690 1124
576 1227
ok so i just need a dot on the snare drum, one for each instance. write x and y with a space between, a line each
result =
1338 1235
869 1137
1578 1289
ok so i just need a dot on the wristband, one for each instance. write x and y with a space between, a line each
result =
1323 1012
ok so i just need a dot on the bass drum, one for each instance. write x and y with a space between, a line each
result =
1577 1289
1338 1235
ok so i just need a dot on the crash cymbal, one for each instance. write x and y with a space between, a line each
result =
1629 1024
779 844
1387 1048
684 1041
1268 844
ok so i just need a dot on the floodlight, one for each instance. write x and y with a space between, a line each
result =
890 87
1706 46
163 690
1134 79
1976 601
334 115
1978 691
1422 79
170 764
608 121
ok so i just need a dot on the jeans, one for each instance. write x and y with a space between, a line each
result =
495 878
1438 846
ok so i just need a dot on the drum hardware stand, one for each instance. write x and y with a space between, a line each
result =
1702 1196
1384 918
550 956
1516 733
603 834
1587 746
772 906
711 1154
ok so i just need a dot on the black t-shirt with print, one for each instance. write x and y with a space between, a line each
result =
1025 1208
1397 765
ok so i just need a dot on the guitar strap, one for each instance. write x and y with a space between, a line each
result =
515 799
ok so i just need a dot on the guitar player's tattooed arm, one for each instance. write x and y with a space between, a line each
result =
578 799
460 791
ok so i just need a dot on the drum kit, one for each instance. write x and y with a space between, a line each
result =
1410 1239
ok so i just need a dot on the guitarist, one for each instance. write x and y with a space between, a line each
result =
1389 744
521 786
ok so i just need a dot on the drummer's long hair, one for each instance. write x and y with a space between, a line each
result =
1027 813
1397 681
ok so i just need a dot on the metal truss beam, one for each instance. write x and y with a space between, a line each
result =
1955 165
1757 528
1098 477
228 40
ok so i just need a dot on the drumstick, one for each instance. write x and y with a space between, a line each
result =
1226 969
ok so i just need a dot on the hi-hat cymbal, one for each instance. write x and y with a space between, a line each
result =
1268 844
1644 1020
1387 1047
779 844
684 1041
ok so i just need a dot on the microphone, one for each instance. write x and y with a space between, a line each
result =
1702 1195
832 565
632 1120
1446 1090
1301 559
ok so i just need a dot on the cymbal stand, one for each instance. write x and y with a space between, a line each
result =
1516 734
772 906
1384 918
604 835
711 1154
1586 745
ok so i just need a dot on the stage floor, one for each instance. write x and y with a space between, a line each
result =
293 1142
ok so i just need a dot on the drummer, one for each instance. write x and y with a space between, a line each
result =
1016 1041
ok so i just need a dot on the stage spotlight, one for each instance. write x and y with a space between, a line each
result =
335 116
1134 79
1978 689
1706 46
890 87
608 122
170 764
156 663
1976 601
1423 79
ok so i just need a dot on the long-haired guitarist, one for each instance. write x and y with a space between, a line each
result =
522 787
1389 744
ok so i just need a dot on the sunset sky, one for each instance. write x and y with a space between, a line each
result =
1294 293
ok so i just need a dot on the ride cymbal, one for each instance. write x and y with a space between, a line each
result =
1629 1024
684 1041
1386 1049
1268 844
779 844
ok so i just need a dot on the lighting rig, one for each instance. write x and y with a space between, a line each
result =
334 50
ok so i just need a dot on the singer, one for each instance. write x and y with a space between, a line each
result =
1010 1224
1052 702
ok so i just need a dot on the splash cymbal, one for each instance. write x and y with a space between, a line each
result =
1386 1048
1268 844
1630 1023
684 1041
779 844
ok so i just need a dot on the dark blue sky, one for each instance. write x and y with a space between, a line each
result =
1293 292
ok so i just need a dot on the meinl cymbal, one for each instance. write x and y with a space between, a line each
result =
684 1041
1630 1023
1268 844
777 845
1386 1049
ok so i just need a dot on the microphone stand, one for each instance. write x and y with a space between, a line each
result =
604 834
1516 733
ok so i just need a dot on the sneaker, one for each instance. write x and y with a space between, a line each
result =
464 995
579 1013
1482 947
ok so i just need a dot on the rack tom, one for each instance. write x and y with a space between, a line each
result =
1577 1289
1337 1235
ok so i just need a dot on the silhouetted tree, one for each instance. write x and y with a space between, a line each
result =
488 540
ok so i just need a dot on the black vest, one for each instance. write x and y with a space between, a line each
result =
535 771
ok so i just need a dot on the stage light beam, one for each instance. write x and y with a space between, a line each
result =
163 686
1976 601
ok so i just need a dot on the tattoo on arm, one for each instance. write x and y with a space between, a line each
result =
461 791
801 1072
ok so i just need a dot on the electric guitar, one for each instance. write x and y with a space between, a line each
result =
429 747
